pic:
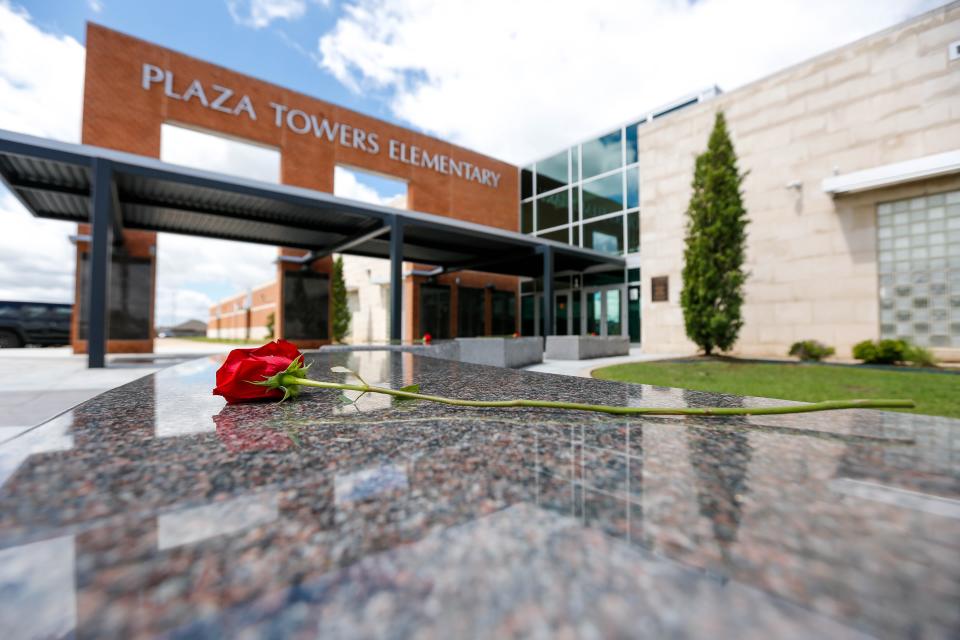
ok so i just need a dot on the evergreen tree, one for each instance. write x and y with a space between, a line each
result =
713 274
271 321
341 313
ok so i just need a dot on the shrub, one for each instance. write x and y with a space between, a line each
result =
882 352
811 350
919 356
271 321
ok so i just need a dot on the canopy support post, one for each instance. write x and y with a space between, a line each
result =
98 266
396 279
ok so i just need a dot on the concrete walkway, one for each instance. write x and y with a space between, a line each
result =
37 384
582 368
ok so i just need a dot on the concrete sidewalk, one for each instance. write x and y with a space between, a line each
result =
36 384
582 368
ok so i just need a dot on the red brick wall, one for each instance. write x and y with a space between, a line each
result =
233 317
119 113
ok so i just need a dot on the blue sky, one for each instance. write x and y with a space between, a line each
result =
516 80
205 29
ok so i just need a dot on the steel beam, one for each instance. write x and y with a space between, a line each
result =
98 275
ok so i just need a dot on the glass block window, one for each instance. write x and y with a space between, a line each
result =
918 255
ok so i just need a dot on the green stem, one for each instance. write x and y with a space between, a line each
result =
829 405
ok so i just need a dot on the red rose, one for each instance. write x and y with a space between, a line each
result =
244 366
427 338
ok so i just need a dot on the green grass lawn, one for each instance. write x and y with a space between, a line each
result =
935 393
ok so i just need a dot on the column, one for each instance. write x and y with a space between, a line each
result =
396 279
97 304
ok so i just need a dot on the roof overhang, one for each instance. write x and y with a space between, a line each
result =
53 180
887 175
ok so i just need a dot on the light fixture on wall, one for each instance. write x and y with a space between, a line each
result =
797 187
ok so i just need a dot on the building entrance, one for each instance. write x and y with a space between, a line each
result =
566 312
605 311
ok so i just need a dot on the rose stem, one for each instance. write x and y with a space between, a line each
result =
828 405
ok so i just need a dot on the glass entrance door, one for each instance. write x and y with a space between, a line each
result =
604 311
561 313
566 313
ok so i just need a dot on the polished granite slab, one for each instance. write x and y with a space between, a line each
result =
156 510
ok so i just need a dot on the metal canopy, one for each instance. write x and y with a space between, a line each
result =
53 180
114 191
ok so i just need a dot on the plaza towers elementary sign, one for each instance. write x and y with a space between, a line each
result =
225 100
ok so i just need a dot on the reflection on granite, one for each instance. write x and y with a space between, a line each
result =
155 509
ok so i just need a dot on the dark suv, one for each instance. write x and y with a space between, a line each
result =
40 323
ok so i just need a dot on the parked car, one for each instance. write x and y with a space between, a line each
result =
38 323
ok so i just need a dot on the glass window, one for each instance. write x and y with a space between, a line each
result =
602 154
470 312
633 232
614 323
552 210
504 313
552 173
575 196
33 311
633 188
603 278
604 235
526 182
603 196
576 236
633 313
526 217
560 235
633 275
575 164
631 143
435 310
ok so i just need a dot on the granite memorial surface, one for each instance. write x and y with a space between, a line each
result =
157 510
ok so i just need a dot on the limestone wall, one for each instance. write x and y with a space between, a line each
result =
891 97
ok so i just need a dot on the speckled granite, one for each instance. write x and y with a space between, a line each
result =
155 510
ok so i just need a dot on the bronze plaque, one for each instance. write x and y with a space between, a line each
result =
659 289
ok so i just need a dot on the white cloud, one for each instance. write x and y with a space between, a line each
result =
346 185
42 97
212 152
36 257
521 79
187 265
95 5
41 78
260 13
